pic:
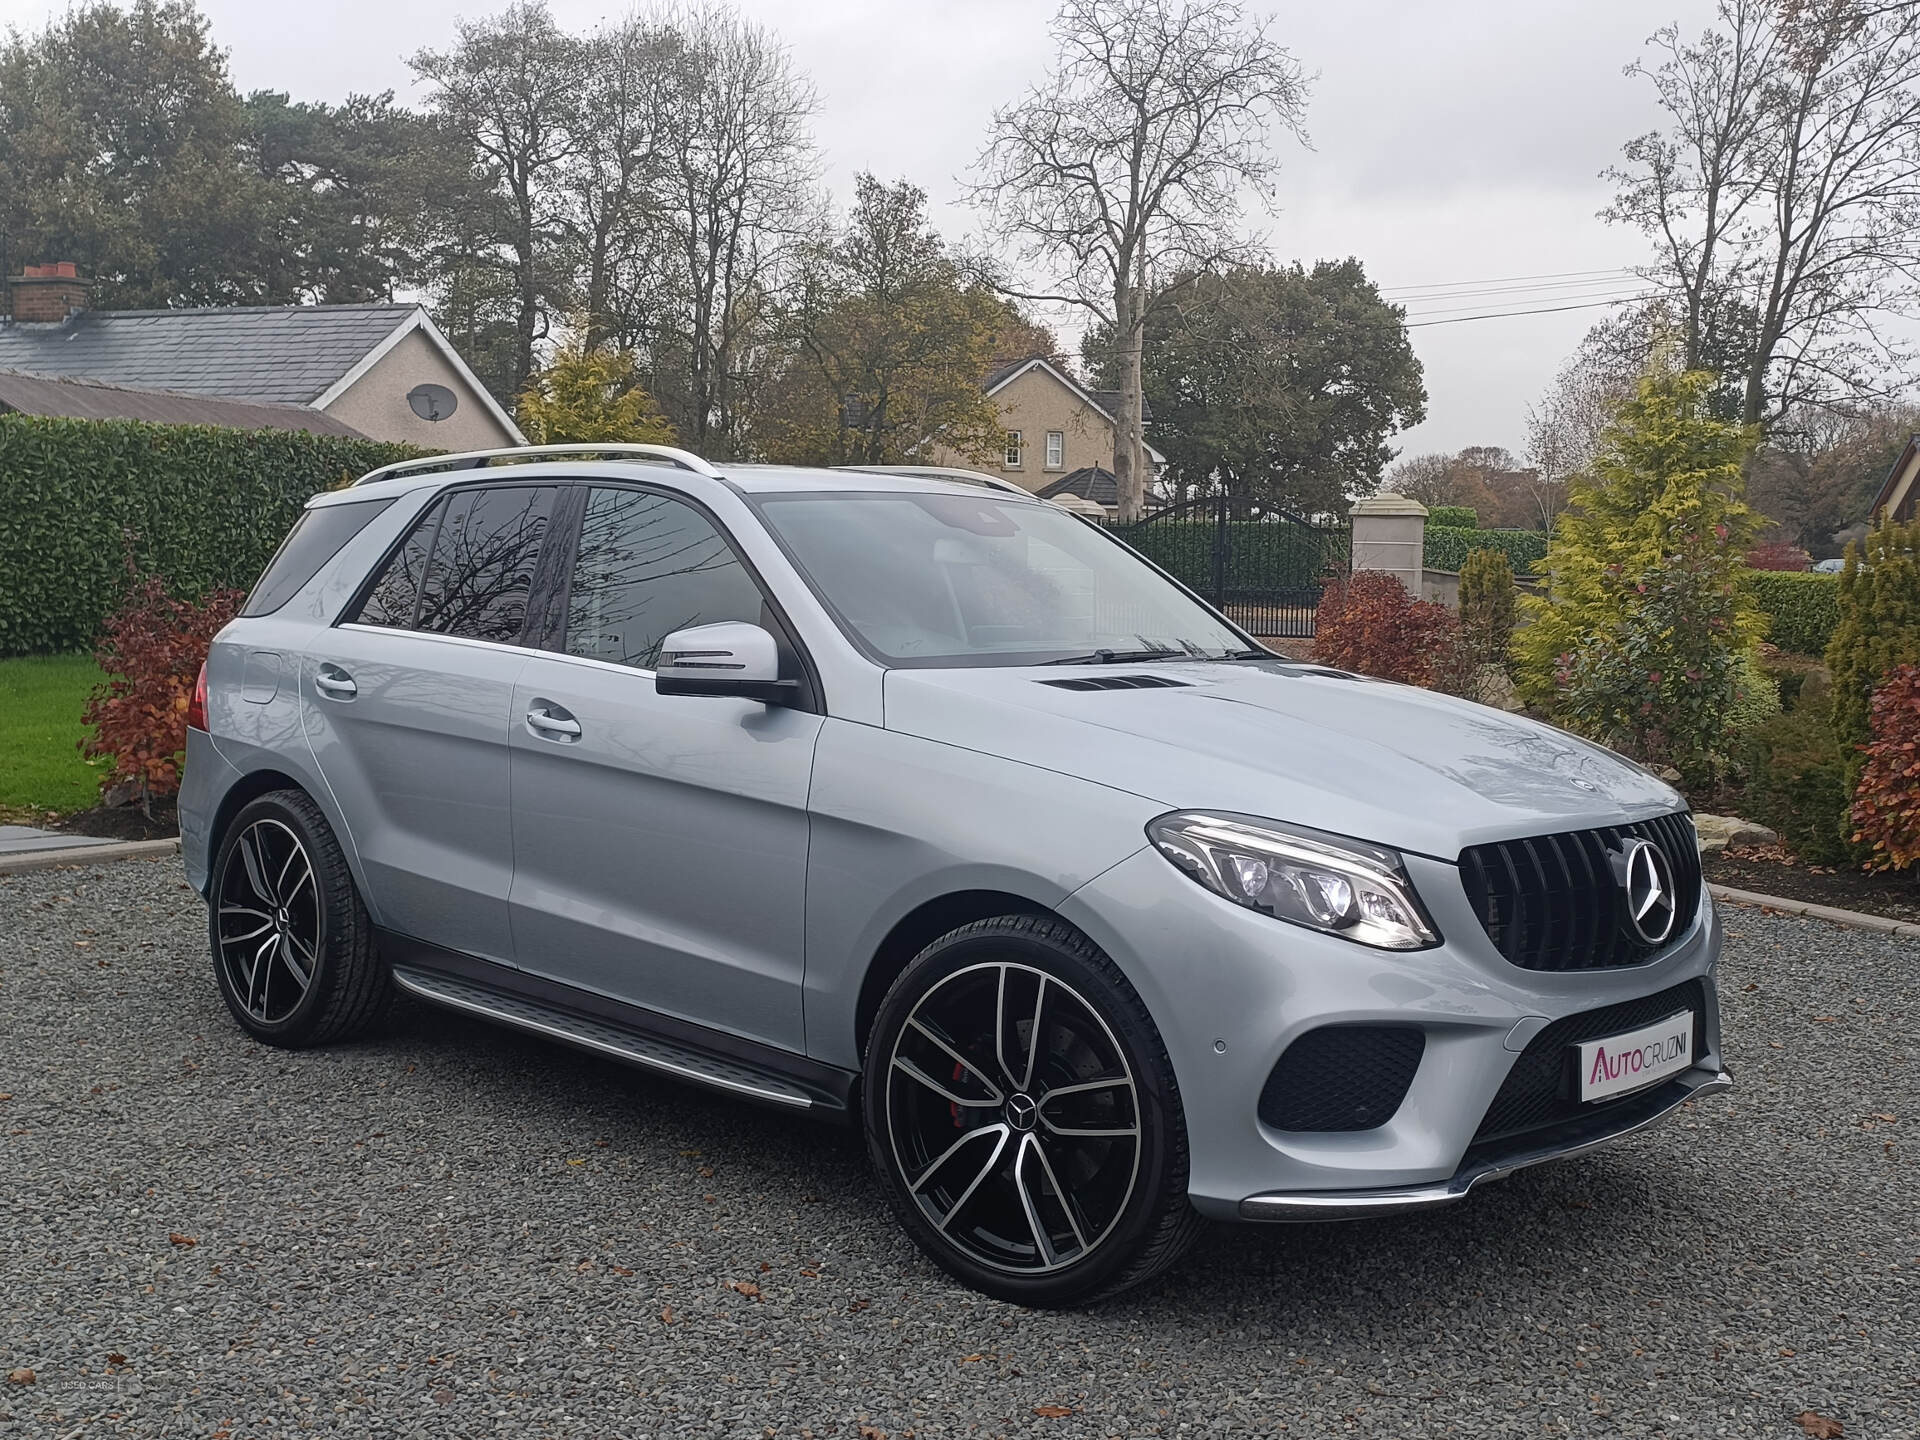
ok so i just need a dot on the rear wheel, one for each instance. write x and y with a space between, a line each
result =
292 943
1023 1116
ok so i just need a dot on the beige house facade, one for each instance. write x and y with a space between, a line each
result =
374 397
1054 426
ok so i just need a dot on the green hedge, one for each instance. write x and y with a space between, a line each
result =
1263 555
1449 546
201 507
1453 517
1804 608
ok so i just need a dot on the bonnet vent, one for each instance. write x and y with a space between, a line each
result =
1116 682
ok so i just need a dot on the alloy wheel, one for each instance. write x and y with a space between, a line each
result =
268 925
1013 1117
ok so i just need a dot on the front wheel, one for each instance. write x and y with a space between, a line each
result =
1023 1116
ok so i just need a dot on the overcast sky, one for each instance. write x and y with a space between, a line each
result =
1452 143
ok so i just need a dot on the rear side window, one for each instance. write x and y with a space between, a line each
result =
467 567
315 539
648 566
483 562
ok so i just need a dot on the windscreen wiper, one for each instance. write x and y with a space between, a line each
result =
1123 657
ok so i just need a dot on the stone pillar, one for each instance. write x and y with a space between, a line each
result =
1390 533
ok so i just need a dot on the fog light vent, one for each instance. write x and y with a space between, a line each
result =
1342 1077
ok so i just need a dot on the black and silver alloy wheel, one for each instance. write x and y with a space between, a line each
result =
292 943
268 920
1012 1112
1022 1112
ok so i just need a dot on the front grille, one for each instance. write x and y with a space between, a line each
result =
1550 902
1541 1091
1342 1077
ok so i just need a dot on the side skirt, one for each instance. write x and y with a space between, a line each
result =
645 1038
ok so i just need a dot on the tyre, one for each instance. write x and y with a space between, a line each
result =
1023 1116
292 944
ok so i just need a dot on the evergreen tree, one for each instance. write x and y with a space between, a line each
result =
588 395
1639 640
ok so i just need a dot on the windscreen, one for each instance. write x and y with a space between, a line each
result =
927 580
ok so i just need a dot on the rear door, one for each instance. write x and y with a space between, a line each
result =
407 704
660 842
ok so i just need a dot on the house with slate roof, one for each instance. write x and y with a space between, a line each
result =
1055 426
380 370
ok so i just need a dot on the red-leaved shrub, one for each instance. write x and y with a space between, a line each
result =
1886 806
1778 555
1368 622
151 651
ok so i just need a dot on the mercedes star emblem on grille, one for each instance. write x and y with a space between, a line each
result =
1647 876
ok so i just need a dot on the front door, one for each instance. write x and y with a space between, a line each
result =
408 705
659 842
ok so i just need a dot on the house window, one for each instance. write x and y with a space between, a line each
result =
1014 441
1056 449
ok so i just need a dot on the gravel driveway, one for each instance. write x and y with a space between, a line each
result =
454 1231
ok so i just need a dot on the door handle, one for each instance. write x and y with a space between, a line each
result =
551 726
335 682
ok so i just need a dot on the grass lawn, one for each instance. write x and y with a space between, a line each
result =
40 765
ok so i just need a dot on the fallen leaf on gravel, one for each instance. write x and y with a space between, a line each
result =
868 1432
1823 1020
666 1316
175 1237
116 1358
1786 1354
22 1376
1888 1118
620 1270
600 1144
971 1359
443 1397
811 1274
576 1162
1751 985
855 1306
1820 1427
764 1267
6 1097
745 1287
1053 1412
706 1172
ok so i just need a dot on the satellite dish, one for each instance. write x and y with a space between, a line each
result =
432 402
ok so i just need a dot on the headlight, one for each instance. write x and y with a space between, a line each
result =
1337 886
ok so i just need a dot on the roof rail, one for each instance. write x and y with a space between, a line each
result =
945 472
527 454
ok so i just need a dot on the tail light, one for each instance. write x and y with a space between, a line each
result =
197 707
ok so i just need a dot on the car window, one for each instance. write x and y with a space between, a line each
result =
315 539
394 595
484 556
649 565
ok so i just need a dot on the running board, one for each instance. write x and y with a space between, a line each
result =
587 1033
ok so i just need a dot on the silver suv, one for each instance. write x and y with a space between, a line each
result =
909 802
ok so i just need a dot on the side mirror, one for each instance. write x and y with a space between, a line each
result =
731 658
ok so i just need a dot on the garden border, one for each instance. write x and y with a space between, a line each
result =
101 854
1850 919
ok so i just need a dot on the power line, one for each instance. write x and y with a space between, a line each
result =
1555 291
1604 292
1502 280
1516 314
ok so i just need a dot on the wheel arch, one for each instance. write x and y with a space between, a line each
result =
919 928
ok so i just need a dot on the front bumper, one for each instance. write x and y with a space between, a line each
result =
1230 990
1365 1204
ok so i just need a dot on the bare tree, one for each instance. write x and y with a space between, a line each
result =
737 189
618 162
1129 162
508 88
1784 202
